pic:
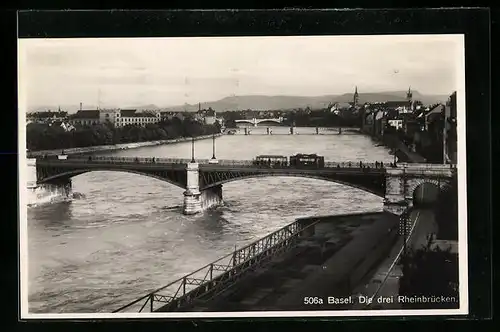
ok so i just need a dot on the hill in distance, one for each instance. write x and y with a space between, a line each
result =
262 102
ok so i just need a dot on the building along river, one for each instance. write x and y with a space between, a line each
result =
125 235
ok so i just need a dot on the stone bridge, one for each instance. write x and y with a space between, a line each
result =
203 179
256 121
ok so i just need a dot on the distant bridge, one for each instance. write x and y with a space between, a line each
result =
203 179
256 121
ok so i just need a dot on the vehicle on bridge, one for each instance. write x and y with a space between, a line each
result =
307 161
271 160
299 161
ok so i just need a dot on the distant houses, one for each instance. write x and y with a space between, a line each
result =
46 116
420 126
117 117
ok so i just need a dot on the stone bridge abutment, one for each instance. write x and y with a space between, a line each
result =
401 183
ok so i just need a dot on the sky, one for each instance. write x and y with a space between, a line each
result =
173 71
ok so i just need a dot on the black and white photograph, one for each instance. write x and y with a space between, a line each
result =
257 176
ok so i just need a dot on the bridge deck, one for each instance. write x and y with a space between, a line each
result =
204 164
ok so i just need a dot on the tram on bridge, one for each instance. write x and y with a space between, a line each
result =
307 160
297 161
270 160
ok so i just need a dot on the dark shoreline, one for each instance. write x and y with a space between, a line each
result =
115 147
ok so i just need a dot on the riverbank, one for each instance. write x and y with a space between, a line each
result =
329 262
124 146
403 153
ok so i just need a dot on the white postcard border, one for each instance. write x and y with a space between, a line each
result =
462 229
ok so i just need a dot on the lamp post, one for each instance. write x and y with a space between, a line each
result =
213 146
192 150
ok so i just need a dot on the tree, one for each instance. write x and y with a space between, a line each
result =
430 272
231 123
47 137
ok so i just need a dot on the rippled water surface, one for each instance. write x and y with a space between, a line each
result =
126 235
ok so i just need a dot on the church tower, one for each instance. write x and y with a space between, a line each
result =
355 97
409 97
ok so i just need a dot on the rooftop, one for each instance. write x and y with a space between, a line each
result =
86 114
145 114
128 113
396 103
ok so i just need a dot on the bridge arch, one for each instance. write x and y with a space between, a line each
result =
415 183
268 120
268 123
315 177
73 173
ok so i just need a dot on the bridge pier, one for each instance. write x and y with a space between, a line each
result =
196 201
192 199
31 173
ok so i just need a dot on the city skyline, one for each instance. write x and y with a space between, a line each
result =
126 72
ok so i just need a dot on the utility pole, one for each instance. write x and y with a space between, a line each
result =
192 150
444 136
99 98
213 146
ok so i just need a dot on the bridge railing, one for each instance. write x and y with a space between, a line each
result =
222 162
216 276
426 166
354 164
111 160
229 162
329 164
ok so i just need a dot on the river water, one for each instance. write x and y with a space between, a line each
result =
126 235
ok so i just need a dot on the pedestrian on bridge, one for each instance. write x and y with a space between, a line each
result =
376 164
360 164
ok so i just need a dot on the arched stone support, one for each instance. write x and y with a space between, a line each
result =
402 181
31 180
192 200
196 201
61 187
